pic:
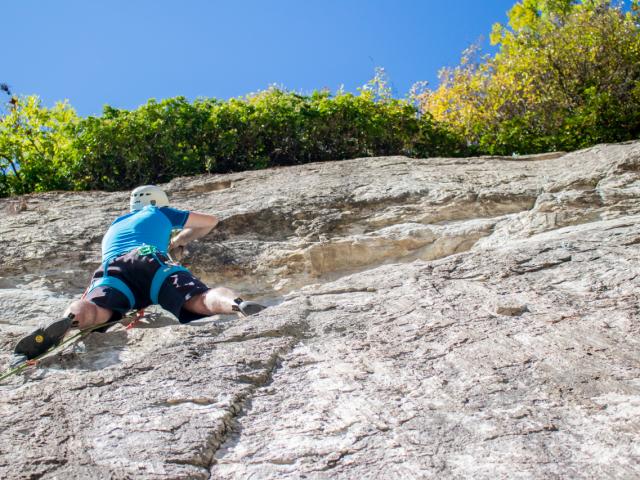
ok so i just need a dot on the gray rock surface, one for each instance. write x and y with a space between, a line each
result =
437 318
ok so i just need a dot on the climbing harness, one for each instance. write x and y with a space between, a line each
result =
159 277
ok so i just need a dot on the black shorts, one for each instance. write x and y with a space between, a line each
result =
137 271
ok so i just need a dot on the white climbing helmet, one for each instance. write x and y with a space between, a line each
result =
148 195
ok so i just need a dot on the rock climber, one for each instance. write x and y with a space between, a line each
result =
137 271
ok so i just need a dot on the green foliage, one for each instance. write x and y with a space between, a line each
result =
53 149
566 76
163 140
35 146
156 142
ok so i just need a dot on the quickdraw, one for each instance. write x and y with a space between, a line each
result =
136 320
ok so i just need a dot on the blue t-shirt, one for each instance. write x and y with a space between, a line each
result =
148 226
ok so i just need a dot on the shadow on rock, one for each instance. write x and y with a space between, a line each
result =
94 352
155 320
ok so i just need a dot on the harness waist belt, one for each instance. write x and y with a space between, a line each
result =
156 283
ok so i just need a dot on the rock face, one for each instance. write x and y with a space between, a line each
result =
438 318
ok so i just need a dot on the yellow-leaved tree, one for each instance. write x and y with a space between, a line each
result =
566 75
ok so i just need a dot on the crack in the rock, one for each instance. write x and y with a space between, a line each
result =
342 291
541 266
545 428
285 331
229 421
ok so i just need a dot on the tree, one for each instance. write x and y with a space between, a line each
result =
35 146
566 75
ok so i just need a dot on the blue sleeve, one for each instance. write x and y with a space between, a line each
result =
177 217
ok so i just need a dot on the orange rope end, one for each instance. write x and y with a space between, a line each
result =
134 322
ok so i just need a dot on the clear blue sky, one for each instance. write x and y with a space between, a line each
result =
123 52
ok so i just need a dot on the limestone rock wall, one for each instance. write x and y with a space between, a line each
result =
435 318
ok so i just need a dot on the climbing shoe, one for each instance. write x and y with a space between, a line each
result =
247 308
17 360
42 339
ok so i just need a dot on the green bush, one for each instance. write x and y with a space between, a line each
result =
54 149
44 149
156 142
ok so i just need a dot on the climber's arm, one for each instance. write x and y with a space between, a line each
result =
196 226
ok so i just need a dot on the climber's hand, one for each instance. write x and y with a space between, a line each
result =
176 252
